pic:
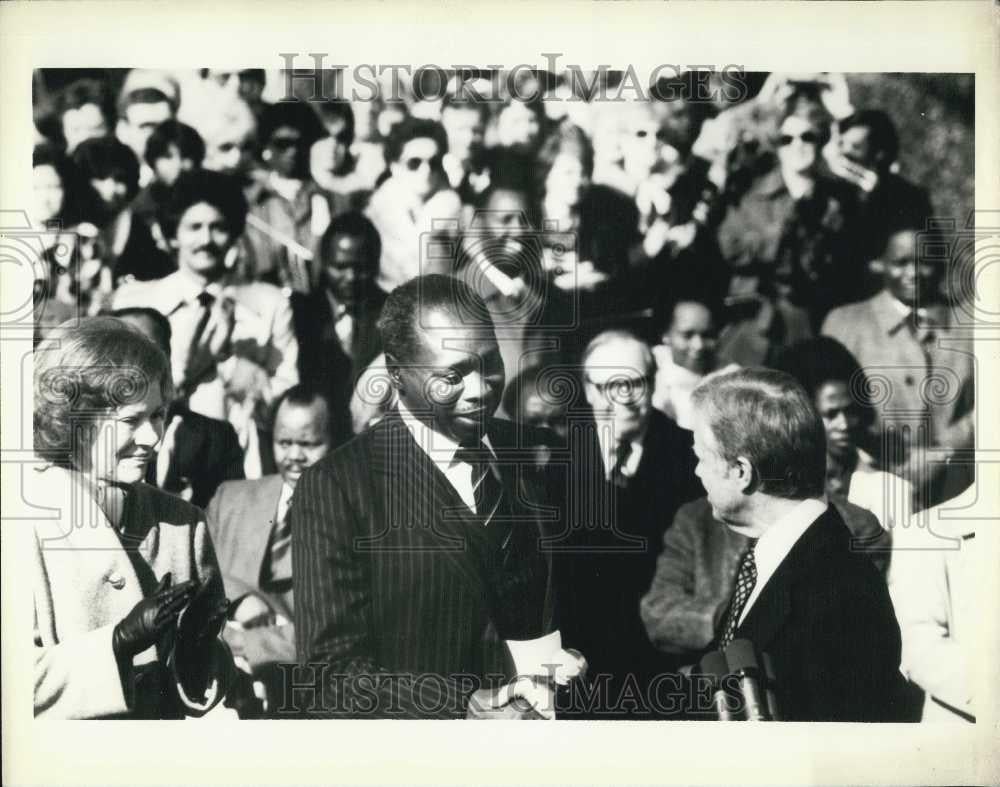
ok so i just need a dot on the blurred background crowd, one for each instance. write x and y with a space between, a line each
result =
255 235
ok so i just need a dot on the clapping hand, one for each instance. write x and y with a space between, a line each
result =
197 629
151 618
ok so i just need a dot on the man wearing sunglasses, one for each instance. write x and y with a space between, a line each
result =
633 468
412 200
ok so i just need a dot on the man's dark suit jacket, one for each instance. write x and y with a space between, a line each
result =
394 578
826 620
206 453
606 560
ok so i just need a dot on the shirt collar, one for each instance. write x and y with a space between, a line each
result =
439 448
777 542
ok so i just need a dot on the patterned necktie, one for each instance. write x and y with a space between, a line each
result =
486 487
746 578
281 545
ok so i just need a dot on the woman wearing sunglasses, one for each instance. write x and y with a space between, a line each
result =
791 235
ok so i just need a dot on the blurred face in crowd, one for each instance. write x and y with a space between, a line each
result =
127 439
168 167
619 386
285 153
538 411
419 167
855 145
640 141
505 221
798 145
244 84
83 123
840 415
692 337
301 438
566 181
676 123
721 479
908 280
338 145
48 193
465 128
350 270
203 239
456 377
140 121
113 191
518 126
229 151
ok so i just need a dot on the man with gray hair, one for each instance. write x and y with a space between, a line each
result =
805 593
632 468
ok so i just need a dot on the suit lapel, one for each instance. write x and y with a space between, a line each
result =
767 616
256 535
421 509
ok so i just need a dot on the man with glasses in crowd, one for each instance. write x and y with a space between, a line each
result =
631 471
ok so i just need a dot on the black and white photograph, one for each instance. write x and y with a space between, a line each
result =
593 391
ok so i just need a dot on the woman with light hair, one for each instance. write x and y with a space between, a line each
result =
128 599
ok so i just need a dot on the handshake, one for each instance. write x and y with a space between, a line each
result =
542 666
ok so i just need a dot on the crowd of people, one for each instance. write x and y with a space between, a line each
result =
272 337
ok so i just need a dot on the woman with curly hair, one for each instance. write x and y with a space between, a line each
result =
128 600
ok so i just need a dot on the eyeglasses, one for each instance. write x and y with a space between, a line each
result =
621 389
809 137
415 163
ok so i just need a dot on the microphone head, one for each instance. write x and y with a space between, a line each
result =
741 656
713 665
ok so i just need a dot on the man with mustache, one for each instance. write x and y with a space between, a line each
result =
233 347
249 524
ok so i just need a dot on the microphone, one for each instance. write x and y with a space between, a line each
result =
713 666
742 659
772 701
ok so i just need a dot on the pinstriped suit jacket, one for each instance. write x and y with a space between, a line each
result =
394 577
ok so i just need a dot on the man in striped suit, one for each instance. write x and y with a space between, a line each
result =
415 545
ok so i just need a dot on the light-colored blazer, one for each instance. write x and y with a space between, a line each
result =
84 582
241 519
935 581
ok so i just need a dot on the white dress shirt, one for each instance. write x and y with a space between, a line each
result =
441 450
609 451
773 547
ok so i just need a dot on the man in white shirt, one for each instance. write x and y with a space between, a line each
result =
233 347
818 607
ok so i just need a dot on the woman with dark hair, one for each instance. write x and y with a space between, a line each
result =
602 222
128 599
123 243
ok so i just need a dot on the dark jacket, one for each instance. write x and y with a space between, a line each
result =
826 620
395 607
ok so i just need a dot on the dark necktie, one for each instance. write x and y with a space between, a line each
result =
746 578
622 453
486 487
280 552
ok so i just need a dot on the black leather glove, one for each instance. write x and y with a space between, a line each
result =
150 618
197 630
